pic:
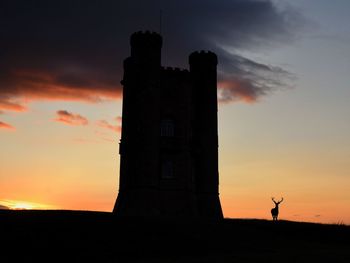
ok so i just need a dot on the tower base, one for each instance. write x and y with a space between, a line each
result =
169 203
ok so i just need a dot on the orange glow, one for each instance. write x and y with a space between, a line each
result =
229 91
24 205
32 85
28 81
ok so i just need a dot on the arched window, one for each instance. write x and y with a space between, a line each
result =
167 169
167 128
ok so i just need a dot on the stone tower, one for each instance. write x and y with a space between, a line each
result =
169 141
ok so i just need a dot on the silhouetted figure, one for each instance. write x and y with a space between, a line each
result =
169 139
274 211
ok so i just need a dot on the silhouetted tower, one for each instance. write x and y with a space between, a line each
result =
205 131
169 141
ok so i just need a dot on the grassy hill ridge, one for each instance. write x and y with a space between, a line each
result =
82 236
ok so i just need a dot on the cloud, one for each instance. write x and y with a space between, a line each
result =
248 80
70 118
6 126
73 51
6 104
105 124
63 84
3 207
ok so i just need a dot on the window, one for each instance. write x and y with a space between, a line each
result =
167 128
167 169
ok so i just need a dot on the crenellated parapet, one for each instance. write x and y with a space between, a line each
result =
203 58
175 72
146 39
146 50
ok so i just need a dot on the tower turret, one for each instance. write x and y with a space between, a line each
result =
140 136
205 131
146 48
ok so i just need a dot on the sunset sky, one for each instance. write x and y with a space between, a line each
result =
284 100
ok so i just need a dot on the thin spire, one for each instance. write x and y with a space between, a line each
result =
160 21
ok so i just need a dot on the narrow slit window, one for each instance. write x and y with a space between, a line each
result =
167 128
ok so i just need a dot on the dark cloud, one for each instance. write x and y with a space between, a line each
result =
248 80
6 126
70 118
73 50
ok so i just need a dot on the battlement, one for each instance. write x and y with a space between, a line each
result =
174 70
146 38
203 57
176 73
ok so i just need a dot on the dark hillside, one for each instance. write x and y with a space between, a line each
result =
76 236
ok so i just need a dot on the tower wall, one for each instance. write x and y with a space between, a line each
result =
177 194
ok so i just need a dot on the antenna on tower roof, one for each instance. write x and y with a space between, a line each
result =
160 21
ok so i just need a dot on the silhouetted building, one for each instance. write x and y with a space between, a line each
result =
169 141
